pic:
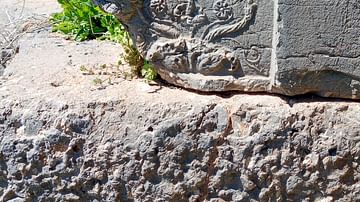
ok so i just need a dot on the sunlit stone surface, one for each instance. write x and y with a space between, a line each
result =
289 47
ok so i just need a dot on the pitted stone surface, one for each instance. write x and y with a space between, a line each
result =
62 139
287 47
246 148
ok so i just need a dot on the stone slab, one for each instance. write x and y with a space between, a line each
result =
288 47
319 47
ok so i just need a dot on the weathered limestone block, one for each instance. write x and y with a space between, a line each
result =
289 47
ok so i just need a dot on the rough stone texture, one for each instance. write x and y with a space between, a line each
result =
63 139
243 148
288 47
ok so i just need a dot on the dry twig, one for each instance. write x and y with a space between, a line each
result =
16 27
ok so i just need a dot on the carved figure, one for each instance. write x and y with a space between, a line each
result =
173 55
184 34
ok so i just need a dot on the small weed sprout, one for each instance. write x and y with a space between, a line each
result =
82 20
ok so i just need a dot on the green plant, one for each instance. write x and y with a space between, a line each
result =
148 72
82 20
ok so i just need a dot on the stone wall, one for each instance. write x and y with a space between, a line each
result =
224 150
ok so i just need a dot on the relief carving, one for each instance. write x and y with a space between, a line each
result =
158 7
191 36
224 13
252 59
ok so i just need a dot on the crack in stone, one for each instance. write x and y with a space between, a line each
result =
212 160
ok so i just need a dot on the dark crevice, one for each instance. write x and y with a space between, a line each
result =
310 97
332 151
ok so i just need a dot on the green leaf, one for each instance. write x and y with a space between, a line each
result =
148 72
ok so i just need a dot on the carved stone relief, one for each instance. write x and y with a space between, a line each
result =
283 46
201 36
193 36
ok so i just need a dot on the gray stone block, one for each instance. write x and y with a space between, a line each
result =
288 47
319 48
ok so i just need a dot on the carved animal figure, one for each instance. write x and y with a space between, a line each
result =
172 55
